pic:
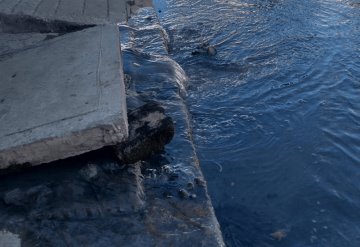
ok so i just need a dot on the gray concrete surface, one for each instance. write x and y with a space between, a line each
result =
10 43
76 11
8 239
62 98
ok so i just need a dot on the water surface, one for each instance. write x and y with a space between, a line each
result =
275 114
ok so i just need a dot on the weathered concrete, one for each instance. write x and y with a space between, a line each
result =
75 11
62 98
8 239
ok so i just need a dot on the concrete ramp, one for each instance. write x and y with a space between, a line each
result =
62 98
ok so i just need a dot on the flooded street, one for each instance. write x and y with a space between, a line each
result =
275 114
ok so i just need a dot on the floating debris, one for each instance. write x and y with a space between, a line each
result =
205 49
279 234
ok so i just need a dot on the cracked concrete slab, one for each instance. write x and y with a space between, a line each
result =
75 11
62 98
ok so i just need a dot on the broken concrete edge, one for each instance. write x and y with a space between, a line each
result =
63 147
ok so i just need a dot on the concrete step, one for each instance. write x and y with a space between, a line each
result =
62 98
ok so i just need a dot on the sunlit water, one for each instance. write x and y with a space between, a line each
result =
275 114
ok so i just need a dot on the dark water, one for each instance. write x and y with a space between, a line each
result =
275 114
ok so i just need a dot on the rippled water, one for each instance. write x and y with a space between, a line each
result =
275 114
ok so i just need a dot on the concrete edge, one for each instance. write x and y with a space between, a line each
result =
212 223
51 149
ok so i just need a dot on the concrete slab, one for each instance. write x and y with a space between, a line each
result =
62 98
75 11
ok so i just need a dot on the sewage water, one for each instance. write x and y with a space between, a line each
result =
275 115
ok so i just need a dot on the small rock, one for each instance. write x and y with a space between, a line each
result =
211 51
205 49
166 169
193 196
190 186
183 194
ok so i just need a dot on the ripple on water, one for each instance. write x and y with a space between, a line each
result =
275 115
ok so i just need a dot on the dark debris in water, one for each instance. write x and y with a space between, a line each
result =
205 49
149 131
